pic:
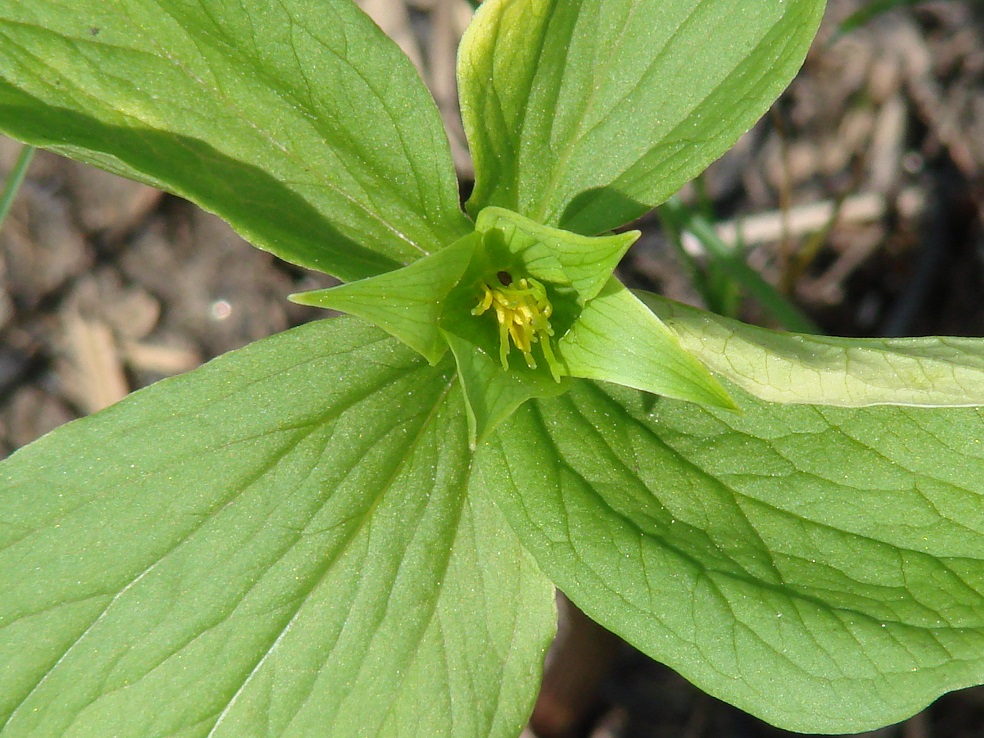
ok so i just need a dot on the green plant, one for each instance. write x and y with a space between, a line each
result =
869 12
355 530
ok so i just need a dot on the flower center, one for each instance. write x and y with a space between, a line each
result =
523 312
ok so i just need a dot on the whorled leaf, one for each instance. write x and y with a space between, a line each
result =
820 567
847 372
583 115
300 124
277 544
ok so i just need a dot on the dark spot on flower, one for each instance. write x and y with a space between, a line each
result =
505 278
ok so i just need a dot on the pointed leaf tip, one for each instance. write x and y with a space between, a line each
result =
618 339
407 302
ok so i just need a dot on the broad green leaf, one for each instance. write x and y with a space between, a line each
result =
583 115
299 123
618 340
820 567
277 544
847 372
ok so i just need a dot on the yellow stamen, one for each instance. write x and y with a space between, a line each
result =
523 313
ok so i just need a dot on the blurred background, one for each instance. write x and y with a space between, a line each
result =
853 208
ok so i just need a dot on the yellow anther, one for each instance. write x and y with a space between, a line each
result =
523 312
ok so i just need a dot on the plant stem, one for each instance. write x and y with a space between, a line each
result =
14 181
790 316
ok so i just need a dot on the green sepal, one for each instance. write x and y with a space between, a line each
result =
618 339
493 394
552 255
407 302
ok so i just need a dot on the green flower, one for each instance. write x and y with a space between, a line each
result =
525 309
